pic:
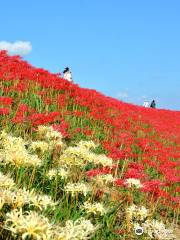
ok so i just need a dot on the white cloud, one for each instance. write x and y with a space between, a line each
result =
18 47
122 95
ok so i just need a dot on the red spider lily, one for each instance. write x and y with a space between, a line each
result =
4 111
19 118
134 173
177 189
77 130
117 154
6 100
41 93
95 172
135 165
21 87
48 101
172 178
144 144
87 132
150 163
61 100
152 185
78 113
62 128
175 199
41 118
20 114
23 108
119 182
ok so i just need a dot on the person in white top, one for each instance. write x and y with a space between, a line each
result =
67 74
146 104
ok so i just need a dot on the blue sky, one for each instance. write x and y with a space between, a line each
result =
125 49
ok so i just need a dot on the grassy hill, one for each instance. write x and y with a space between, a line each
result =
75 164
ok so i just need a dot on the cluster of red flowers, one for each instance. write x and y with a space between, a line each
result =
6 100
4 111
146 142
42 119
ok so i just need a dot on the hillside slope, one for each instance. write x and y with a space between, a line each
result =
142 146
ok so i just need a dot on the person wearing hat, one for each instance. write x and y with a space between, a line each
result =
67 74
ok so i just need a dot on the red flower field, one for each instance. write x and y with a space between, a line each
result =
143 143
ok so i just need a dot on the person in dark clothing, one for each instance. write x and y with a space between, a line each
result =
153 104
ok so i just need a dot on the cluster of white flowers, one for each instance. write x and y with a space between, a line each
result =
29 224
133 182
53 137
154 229
33 225
47 132
103 160
80 155
6 182
104 179
79 187
74 156
17 198
15 152
139 217
96 208
62 172
87 144
39 145
137 213
81 229
42 201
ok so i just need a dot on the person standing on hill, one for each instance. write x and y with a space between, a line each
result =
67 74
153 104
146 104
